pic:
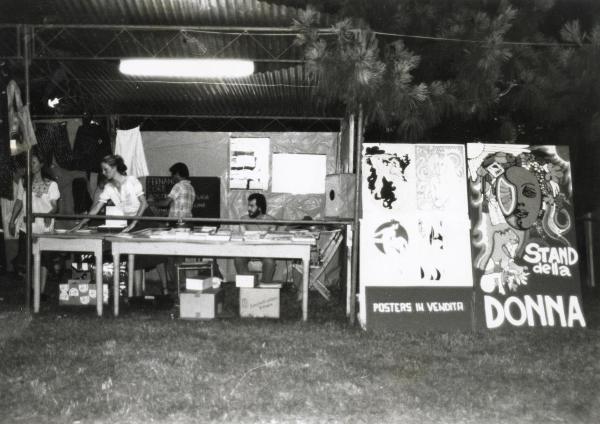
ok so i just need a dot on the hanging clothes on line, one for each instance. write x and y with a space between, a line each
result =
53 143
19 120
6 168
130 147
91 144
17 129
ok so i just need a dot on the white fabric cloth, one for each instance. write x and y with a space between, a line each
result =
19 118
130 147
126 197
41 202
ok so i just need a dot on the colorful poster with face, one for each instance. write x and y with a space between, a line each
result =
525 259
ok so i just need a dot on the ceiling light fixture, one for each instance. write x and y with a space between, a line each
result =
187 68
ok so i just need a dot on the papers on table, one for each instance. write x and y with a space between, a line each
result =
186 234
205 229
278 235
227 235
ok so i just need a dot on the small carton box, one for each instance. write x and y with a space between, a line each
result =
198 284
259 302
206 304
80 292
246 281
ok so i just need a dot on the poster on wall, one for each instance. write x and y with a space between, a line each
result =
388 184
525 259
414 233
298 173
440 179
249 163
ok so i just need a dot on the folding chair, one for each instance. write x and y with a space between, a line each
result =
329 243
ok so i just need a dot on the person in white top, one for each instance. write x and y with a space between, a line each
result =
126 193
44 199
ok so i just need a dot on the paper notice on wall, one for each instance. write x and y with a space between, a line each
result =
299 173
249 163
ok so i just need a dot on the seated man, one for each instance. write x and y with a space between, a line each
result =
257 209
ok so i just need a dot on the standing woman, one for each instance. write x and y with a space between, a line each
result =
126 193
44 199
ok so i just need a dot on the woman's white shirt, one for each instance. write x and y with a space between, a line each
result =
126 197
42 195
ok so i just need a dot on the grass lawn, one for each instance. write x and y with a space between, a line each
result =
67 365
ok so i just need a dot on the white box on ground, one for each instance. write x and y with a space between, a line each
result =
201 305
259 302
246 281
198 284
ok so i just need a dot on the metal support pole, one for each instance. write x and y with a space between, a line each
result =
27 52
355 233
588 226
351 140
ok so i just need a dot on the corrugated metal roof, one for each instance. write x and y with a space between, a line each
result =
151 12
286 91
77 44
116 43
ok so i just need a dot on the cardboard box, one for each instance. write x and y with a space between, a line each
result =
198 284
80 293
201 305
259 302
200 270
246 281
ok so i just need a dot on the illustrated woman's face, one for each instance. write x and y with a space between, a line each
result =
528 197
108 171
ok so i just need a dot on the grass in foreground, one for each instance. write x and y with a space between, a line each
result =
148 367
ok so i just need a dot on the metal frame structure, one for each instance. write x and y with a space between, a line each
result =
34 42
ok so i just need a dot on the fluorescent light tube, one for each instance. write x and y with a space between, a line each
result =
187 68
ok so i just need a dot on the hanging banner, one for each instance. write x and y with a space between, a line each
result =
525 259
414 236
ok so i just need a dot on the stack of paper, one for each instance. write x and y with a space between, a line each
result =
278 235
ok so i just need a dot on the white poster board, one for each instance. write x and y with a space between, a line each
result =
415 226
299 173
249 163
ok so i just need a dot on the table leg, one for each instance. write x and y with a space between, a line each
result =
305 279
37 262
130 274
99 285
116 269
348 268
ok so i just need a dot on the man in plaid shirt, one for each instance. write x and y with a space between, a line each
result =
182 195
